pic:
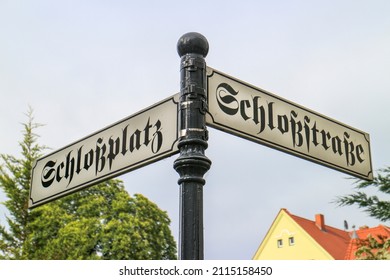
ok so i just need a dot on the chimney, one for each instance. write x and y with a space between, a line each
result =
320 221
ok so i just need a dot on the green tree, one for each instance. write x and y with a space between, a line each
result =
100 222
374 206
372 248
15 177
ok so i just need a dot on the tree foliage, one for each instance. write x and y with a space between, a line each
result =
15 177
373 205
373 248
100 222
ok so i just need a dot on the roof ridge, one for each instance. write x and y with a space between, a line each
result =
312 221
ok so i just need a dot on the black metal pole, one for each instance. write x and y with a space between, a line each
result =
192 163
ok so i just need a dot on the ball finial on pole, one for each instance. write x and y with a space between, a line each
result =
192 42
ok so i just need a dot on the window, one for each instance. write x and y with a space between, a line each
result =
291 241
280 243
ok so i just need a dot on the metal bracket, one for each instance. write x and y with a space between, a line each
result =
201 133
193 91
198 104
194 62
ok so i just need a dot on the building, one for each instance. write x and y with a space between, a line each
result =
291 237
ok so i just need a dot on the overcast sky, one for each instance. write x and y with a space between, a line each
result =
83 65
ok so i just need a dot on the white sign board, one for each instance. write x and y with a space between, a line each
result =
133 142
257 115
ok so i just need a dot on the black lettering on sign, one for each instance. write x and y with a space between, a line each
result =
103 155
302 131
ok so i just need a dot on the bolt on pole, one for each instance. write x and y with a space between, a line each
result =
192 163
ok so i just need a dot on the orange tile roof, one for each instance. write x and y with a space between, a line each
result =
333 240
363 233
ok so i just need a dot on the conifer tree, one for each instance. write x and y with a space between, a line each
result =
376 207
15 177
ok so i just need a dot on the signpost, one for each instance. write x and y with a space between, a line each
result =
133 142
178 123
192 163
257 115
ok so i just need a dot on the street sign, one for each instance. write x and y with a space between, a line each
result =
257 115
133 142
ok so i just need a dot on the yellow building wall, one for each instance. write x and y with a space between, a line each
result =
304 247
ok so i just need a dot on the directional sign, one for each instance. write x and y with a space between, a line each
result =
257 115
138 140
